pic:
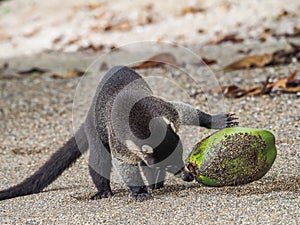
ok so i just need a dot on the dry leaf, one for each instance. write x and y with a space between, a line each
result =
282 14
293 83
294 46
92 47
71 74
234 91
159 60
287 85
89 6
201 30
122 26
266 34
205 61
73 40
227 38
296 32
94 5
250 61
24 151
144 20
282 56
282 82
96 28
290 90
58 39
209 61
32 70
192 10
245 52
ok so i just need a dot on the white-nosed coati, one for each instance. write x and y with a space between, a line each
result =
129 126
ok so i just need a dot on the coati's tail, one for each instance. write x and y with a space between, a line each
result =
59 161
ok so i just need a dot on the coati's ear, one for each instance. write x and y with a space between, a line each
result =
147 150
171 124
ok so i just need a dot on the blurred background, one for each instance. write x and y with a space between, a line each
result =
32 26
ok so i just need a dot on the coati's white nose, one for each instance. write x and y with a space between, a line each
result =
146 149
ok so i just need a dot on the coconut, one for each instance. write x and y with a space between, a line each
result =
232 156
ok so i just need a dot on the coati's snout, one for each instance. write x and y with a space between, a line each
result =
168 154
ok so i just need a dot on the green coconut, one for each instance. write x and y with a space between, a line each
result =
232 156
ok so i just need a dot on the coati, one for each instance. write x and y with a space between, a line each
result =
131 128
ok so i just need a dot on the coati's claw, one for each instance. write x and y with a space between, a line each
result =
233 124
100 195
221 121
231 120
230 116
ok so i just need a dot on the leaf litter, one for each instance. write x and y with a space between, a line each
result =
279 57
284 85
159 60
71 74
30 71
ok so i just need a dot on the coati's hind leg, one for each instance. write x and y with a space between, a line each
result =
154 177
100 168
131 175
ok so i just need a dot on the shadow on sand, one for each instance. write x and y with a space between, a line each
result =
272 184
282 184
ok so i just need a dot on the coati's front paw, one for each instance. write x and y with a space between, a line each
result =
102 194
141 196
221 121
139 193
